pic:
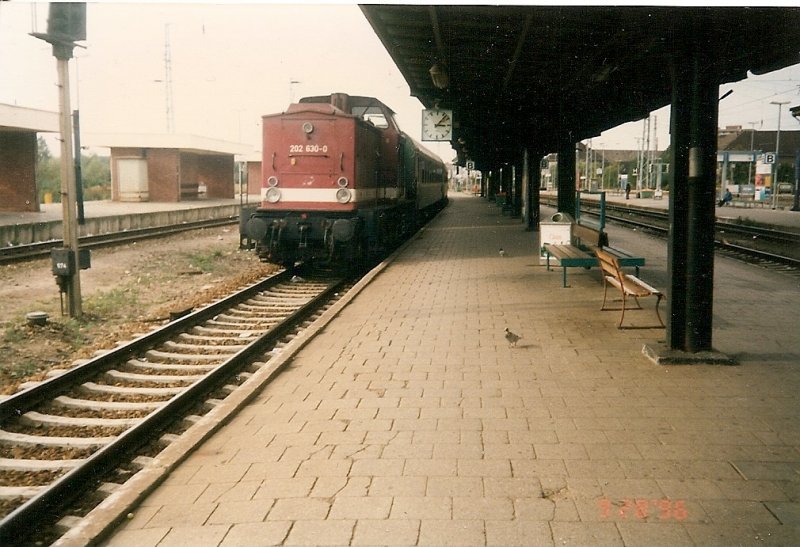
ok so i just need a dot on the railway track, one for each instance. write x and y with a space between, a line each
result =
87 427
32 251
770 247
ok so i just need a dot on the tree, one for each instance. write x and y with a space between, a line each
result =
95 172
48 172
96 176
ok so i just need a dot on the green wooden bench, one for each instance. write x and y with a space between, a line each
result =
581 252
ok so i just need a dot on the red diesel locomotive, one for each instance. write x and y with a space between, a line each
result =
341 183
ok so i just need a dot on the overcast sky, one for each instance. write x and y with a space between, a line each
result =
233 63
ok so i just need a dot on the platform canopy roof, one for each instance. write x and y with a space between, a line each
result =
195 144
538 76
30 120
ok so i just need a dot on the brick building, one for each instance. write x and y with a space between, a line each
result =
19 128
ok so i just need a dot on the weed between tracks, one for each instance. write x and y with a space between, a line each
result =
128 291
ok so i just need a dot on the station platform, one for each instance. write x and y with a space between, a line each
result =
410 420
106 216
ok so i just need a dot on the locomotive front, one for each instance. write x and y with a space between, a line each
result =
309 194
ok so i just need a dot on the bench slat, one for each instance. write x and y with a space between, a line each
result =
628 285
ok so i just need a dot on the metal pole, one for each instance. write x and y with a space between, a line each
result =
777 155
796 199
78 172
586 168
603 170
753 158
68 202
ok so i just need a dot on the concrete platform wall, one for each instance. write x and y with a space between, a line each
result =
20 234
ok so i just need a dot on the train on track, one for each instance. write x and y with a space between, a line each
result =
341 183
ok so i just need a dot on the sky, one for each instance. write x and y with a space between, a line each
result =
233 63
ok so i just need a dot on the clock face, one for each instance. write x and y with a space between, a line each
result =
437 125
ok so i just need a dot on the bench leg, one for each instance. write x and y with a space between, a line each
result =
658 314
564 278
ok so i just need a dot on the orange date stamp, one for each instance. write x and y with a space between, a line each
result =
642 509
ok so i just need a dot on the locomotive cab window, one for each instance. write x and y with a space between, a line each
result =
378 120
373 115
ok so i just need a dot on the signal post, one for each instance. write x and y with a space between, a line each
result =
66 24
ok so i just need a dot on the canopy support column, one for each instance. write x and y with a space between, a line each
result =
692 213
566 178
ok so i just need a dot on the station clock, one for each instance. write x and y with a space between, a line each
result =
437 124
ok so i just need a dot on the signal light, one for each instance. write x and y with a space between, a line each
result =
66 21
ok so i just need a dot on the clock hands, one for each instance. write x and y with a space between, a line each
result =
437 125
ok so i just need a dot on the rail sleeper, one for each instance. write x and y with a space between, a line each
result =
628 285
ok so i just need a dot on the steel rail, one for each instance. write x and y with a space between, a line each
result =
71 485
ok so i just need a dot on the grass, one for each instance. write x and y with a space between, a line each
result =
23 369
206 262
110 303
71 333
13 334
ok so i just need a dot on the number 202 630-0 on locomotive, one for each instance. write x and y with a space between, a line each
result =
341 184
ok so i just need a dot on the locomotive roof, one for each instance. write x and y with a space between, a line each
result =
353 101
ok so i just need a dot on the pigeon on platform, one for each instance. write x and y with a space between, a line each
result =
502 252
512 338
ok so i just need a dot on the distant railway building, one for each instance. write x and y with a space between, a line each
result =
170 167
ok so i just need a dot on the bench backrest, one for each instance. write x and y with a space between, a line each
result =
588 236
628 284
609 264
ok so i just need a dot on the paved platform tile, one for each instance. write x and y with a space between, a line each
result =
452 532
192 536
258 534
317 532
394 533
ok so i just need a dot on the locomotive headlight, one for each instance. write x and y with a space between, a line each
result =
342 182
343 195
308 127
272 181
273 195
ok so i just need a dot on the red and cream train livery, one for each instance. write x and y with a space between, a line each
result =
341 182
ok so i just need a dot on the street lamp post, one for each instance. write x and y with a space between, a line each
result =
777 155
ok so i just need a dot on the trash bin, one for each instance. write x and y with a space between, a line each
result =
556 231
